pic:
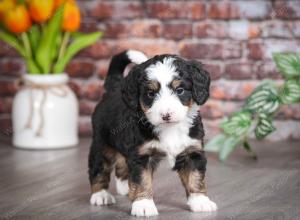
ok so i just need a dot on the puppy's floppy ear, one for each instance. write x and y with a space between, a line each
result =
201 82
130 90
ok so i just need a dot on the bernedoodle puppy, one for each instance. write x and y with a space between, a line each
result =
151 113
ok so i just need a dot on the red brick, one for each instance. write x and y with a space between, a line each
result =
240 71
85 126
176 9
256 51
76 86
278 29
86 107
6 105
88 25
257 10
218 109
214 70
178 30
149 47
7 51
101 49
102 68
8 87
211 29
287 9
223 10
93 90
140 28
268 69
11 67
116 9
239 9
210 50
289 112
232 90
80 68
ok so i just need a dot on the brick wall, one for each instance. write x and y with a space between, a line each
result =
234 39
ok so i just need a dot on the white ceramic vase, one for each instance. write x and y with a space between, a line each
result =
45 113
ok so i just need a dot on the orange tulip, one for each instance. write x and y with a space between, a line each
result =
6 5
17 20
40 10
58 3
71 18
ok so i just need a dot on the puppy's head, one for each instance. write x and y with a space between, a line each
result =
165 88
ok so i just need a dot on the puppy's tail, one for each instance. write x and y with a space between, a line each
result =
118 65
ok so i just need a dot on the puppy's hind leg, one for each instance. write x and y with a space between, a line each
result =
101 161
121 175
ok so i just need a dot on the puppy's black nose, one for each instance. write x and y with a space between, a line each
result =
166 117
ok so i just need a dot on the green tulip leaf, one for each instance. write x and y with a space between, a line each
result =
80 42
44 52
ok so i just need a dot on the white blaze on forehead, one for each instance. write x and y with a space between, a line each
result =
164 72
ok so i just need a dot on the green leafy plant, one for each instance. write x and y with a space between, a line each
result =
257 115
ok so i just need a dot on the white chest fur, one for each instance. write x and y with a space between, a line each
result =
173 139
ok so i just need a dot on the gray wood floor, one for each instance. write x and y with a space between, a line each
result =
54 185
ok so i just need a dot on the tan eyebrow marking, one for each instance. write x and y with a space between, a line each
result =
175 83
153 85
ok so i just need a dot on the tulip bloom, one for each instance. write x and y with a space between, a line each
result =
5 6
40 10
17 20
71 18
58 3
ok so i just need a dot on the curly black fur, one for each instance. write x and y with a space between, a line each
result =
192 159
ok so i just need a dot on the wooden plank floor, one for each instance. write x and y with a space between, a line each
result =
54 185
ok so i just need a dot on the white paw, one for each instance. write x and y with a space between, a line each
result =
144 207
122 186
201 203
102 198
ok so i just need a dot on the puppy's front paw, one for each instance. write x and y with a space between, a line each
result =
144 207
102 198
201 203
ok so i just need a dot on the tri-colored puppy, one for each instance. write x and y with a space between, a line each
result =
147 115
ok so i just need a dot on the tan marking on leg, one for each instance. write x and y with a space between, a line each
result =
142 190
193 181
121 167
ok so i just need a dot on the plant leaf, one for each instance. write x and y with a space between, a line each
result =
288 64
264 99
229 145
264 126
238 124
13 41
44 53
215 144
80 41
34 37
290 92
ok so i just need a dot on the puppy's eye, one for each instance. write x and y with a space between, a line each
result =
179 91
151 94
